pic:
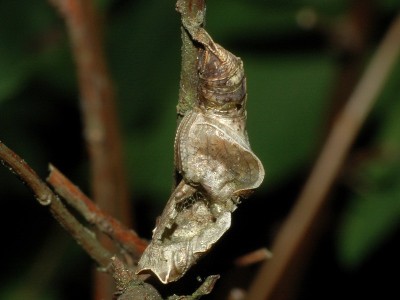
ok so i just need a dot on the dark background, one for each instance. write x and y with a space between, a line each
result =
302 59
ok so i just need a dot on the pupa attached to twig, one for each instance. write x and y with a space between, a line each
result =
217 165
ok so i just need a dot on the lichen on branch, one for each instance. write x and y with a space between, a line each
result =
192 16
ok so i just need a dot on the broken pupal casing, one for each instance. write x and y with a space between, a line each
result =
218 167
212 149
179 242
213 153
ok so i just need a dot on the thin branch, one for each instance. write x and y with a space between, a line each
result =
192 13
346 128
253 257
108 180
98 108
45 196
349 37
192 16
126 238
206 287
127 282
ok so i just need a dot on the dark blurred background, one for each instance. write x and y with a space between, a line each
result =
302 58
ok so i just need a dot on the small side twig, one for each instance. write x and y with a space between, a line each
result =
253 257
333 154
127 282
46 196
126 238
206 288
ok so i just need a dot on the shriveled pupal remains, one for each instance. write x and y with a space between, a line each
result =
214 158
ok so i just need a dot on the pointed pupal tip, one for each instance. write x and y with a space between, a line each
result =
153 261
164 277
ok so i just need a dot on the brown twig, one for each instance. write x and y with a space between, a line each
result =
253 257
126 238
101 130
237 294
45 196
98 107
349 38
107 261
331 159
206 287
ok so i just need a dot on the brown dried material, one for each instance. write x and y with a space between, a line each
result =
222 85
213 153
182 236
214 158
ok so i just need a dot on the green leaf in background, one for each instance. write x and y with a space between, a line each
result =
19 292
21 39
12 76
374 213
389 5
288 89
372 216
262 19
287 93
282 118
144 50
287 98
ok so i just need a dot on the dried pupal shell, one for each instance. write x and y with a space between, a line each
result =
213 153
212 149
185 231
218 167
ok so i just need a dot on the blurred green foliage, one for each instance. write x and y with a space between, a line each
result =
374 211
290 79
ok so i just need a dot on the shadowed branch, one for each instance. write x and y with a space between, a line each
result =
126 238
46 196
